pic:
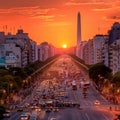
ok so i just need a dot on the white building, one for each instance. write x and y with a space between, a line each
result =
19 50
12 55
19 42
34 51
79 49
97 46
45 51
26 47
105 50
88 53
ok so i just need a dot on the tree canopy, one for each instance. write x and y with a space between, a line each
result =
99 69
116 79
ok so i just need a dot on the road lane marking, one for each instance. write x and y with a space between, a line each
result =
87 116
105 117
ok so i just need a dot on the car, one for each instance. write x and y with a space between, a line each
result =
33 117
26 105
37 109
56 109
7 114
53 118
20 108
48 110
96 102
44 96
24 116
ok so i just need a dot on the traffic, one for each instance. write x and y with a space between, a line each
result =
63 92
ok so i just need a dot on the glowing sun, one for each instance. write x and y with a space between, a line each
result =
64 46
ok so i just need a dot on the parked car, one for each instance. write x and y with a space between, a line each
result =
48 110
33 117
25 116
97 102
56 109
37 109
7 114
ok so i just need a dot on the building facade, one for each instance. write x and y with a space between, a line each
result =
45 51
18 50
88 52
114 56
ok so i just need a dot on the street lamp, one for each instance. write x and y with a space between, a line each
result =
25 83
3 94
9 90
11 85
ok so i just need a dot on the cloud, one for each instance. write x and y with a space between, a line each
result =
32 12
60 24
106 8
96 5
83 2
29 3
47 18
114 16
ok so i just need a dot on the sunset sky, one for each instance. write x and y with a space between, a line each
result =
55 21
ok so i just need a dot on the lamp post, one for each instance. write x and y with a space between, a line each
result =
3 95
11 85
25 83
118 95
9 91
100 82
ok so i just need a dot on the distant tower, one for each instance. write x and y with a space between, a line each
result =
78 29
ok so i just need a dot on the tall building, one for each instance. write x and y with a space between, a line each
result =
88 52
78 29
45 51
97 47
2 37
114 33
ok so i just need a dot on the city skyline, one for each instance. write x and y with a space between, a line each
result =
56 21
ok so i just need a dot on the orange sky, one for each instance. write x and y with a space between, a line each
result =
54 21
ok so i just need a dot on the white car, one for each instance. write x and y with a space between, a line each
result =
97 102
7 114
24 116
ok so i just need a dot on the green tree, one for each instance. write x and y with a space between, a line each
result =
116 79
2 110
99 69
20 72
18 80
8 80
4 72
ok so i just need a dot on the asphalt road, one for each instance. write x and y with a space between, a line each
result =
61 80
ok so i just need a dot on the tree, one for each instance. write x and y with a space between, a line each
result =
4 72
20 72
99 69
2 110
116 79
